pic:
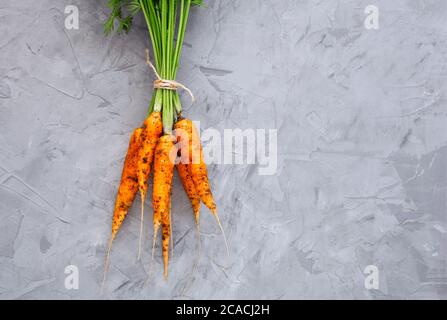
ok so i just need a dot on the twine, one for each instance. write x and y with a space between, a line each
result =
164 84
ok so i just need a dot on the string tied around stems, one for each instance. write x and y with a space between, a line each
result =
165 84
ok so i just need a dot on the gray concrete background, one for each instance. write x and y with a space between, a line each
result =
362 146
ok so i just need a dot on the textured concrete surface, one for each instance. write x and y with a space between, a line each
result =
362 149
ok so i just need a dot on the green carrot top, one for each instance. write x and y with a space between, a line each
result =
166 22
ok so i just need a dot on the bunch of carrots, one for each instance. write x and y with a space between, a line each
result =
165 139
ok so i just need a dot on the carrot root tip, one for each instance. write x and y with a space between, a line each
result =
107 262
222 231
154 240
141 227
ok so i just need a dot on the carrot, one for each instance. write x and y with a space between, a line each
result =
129 183
184 171
127 190
165 154
152 129
189 141
190 144
183 132
199 175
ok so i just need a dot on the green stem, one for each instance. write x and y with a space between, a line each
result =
164 45
161 19
155 19
181 33
152 32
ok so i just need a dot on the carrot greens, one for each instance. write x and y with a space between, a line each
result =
166 21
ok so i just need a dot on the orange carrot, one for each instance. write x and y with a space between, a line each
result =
190 141
165 154
183 133
184 171
199 175
152 129
127 190
198 170
129 183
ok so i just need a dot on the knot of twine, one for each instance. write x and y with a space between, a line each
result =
161 83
